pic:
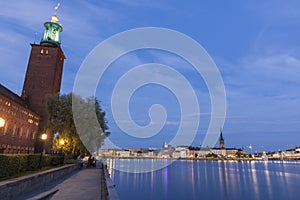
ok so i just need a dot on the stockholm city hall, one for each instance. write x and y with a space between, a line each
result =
23 119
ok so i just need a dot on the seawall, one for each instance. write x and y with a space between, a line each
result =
108 192
13 188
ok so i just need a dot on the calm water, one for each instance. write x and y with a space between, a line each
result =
208 180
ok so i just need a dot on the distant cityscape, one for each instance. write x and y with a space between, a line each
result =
190 152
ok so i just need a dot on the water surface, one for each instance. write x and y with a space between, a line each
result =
186 179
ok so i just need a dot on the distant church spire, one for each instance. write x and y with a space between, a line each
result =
222 142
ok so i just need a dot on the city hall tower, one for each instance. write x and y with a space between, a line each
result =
44 74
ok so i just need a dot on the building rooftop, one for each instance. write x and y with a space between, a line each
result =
13 96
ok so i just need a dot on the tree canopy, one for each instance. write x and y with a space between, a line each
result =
61 120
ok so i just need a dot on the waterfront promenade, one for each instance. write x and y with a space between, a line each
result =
81 184
85 184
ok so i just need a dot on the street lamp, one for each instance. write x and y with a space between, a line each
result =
250 147
43 137
2 122
62 143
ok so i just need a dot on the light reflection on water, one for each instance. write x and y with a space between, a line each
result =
185 179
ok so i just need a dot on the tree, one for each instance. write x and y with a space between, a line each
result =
62 121
240 154
211 155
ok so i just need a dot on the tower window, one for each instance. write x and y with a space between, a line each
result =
47 51
42 51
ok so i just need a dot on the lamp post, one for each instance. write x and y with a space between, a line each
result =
250 147
2 124
61 143
43 137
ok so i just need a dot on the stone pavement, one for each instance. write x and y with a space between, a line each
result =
82 184
86 184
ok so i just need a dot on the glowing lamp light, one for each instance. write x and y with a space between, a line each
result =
61 142
44 136
2 122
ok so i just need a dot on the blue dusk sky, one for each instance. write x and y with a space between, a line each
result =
255 45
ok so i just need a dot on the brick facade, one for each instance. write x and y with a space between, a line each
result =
43 78
18 135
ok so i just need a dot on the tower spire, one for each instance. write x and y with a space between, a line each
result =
221 134
56 8
52 30
222 142
54 17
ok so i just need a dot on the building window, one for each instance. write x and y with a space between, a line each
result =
2 148
47 51
21 132
5 128
42 51
14 130
27 133
33 135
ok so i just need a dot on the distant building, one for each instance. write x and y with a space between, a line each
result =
180 152
204 151
219 151
232 152
166 151
223 151
192 152
123 153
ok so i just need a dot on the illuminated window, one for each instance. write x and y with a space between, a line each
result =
5 128
42 51
47 51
